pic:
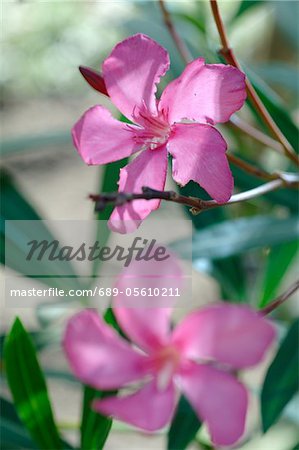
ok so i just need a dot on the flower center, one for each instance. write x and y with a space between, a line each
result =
153 131
166 362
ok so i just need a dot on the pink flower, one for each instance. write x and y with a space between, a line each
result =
198 358
204 94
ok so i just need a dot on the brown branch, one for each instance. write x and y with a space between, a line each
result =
230 58
183 50
281 299
198 205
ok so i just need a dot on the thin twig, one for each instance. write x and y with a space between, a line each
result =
230 58
280 299
183 50
198 205
253 170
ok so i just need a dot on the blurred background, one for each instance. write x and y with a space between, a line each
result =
43 94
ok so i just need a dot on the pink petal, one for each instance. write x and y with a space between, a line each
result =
207 93
199 154
231 334
147 169
146 319
219 399
97 355
148 408
100 139
132 71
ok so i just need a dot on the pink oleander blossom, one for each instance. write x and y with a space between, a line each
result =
198 358
179 123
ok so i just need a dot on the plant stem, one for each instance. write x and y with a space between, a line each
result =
183 50
280 299
249 168
198 205
230 58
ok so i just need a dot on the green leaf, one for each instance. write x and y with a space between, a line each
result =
277 109
276 72
281 381
237 236
184 426
277 264
28 388
193 19
12 432
15 207
229 269
245 5
37 142
231 276
95 428
110 319
40 341
287 14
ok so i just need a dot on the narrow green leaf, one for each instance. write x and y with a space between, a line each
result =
12 432
15 207
277 71
40 341
37 142
277 264
28 388
195 20
110 319
95 428
13 435
287 14
245 5
184 426
276 108
229 269
281 381
237 236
